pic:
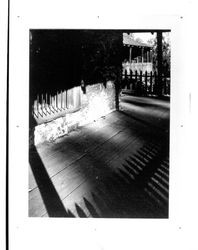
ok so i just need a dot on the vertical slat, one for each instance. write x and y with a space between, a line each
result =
46 101
61 100
48 104
66 100
78 97
155 83
38 105
136 79
57 100
51 104
136 75
131 74
140 78
72 97
54 102
125 78
140 85
42 104
142 54
146 81
151 81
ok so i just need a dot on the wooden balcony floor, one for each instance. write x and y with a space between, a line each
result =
117 166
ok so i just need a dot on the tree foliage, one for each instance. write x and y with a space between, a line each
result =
166 54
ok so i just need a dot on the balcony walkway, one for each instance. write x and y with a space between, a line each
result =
117 166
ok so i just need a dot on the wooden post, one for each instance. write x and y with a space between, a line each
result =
57 100
140 76
136 79
61 99
125 74
130 55
151 81
151 57
159 62
42 104
147 56
38 105
142 54
146 82
125 79
155 83
136 75
46 102
131 74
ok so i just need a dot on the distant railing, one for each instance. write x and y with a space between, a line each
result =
144 83
139 66
47 107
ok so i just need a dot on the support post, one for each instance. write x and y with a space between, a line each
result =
147 56
130 55
159 62
142 54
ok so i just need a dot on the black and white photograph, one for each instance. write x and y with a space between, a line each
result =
101 132
99 117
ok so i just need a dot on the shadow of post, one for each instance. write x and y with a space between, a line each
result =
50 197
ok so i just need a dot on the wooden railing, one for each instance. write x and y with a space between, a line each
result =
144 83
48 107
139 66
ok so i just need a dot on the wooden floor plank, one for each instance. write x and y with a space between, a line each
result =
83 166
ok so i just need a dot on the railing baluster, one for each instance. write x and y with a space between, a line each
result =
65 99
38 105
146 82
61 99
42 104
57 100
155 83
151 81
126 78
131 73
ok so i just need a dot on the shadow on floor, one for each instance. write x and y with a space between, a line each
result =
138 189
145 104
48 192
163 128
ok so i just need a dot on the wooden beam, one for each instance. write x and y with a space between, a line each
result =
159 62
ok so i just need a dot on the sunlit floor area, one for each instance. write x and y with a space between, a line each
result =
115 167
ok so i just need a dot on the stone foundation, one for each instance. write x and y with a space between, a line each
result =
97 101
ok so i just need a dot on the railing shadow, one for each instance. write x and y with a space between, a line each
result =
151 124
51 199
140 103
138 189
